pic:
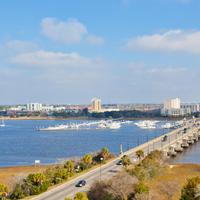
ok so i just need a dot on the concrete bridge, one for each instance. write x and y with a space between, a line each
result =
170 143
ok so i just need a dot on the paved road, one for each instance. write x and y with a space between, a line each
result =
109 169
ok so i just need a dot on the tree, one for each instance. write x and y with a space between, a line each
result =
105 152
99 191
139 154
18 192
81 196
3 191
191 190
121 186
36 179
87 159
69 166
126 160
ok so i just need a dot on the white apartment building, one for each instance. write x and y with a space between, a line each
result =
32 107
47 108
172 104
173 107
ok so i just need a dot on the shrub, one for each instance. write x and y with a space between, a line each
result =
81 196
68 198
150 166
126 160
99 191
139 154
18 192
105 152
191 190
87 160
141 188
69 166
3 191
36 179
59 175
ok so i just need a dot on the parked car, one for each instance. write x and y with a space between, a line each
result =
81 183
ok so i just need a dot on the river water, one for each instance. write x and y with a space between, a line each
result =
22 144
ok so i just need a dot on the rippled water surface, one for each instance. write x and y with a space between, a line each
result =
22 144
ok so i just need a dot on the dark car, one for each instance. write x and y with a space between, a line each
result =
119 162
164 138
81 183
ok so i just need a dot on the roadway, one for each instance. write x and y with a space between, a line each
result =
109 169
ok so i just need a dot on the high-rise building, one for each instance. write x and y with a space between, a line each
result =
96 105
172 104
172 107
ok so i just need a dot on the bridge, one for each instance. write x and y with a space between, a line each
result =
171 143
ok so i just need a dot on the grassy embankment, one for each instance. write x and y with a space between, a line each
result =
173 178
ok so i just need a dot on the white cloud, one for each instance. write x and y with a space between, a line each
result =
50 59
170 41
95 40
20 46
68 32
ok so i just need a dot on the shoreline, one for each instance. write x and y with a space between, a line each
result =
86 118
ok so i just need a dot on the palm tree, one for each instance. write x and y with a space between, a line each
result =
139 154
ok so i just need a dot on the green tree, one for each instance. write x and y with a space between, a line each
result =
69 166
18 192
81 196
3 191
105 152
126 161
191 190
60 174
36 179
139 154
87 160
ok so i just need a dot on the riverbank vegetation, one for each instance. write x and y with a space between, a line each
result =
152 178
36 183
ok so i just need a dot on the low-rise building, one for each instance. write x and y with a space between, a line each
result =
34 107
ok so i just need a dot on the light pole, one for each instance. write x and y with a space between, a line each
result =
101 159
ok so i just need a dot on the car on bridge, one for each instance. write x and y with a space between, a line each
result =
81 183
164 138
120 162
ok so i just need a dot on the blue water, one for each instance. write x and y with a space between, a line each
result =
189 155
22 144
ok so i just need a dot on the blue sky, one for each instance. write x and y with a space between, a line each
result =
123 51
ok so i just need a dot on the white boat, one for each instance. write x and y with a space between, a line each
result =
109 125
167 126
2 123
114 125
146 124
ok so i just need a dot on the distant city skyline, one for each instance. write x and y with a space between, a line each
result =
122 51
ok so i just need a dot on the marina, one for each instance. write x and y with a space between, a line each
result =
55 146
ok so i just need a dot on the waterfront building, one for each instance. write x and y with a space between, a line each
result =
172 104
34 107
173 107
96 105
47 108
